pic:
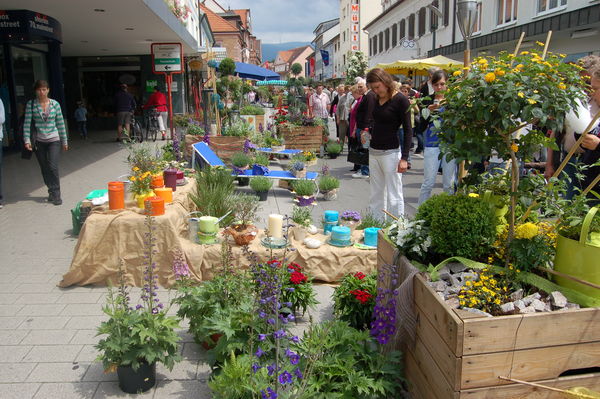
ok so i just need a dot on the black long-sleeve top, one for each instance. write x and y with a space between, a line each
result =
387 119
364 113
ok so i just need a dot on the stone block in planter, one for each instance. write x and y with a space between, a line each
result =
457 354
226 146
305 138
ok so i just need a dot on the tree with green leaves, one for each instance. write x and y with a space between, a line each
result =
227 67
296 69
357 66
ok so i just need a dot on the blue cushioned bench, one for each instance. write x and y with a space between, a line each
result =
206 156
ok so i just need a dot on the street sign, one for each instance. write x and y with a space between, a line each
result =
167 58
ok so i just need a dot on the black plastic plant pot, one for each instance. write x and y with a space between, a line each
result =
137 381
243 181
333 156
262 195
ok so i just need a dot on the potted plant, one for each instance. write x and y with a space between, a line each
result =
261 185
305 191
329 185
351 219
297 289
240 160
298 169
136 337
354 299
333 149
310 158
302 218
244 208
141 185
275 143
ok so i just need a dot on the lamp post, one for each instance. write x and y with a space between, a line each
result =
434 22
466 16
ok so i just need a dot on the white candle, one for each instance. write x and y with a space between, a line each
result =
276 226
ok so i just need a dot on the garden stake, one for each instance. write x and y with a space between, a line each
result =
547 45
568 394
518 46
568 276
592 184
389 214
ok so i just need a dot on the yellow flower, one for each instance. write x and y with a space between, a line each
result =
456 73
489 77
531 101
500 72
514 147
562 55
524 52
540 43
521 94
483 61
132 178
562 86
474 195
526 230
135 168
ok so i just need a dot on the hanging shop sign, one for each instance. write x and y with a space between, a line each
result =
355 25
166 57
20 25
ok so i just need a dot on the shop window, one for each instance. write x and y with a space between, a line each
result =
446 12
507 11
549 5
422 17
478 18
433 19
411 26
394 35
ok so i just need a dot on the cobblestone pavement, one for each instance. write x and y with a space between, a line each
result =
47 334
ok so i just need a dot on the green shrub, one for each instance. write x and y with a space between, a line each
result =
328 183
244 207
459 225
369 220
240 160
213 187
261 159
261 184
304 187
252 110
195 130
239 128
333 148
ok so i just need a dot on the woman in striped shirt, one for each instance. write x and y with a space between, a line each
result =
50 133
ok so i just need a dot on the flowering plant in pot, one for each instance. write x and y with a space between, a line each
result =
302 218
137 337
297 289
240 160
351 219
298 169
244 208
329 186
261 185
305 191
354 299
333 149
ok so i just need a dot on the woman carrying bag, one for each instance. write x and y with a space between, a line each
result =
50 135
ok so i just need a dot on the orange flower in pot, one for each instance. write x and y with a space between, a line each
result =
244 207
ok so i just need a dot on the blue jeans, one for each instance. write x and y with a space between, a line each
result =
82 127
401 139
431 164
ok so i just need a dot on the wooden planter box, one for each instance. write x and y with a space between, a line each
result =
190 140
305 138
254 120
458 354
226 146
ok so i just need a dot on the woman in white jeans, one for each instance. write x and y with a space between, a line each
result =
388 158
431 153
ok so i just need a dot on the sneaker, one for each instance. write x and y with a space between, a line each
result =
164 136
359 176
57 201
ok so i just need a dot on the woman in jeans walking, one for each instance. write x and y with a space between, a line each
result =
50 135
388 158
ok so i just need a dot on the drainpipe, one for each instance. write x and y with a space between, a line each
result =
454 23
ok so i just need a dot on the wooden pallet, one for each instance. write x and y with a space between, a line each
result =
305 138
458 354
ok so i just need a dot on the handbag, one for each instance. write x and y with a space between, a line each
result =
25 153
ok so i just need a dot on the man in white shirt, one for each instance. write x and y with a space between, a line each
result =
320 104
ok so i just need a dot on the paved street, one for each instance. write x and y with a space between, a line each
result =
46 333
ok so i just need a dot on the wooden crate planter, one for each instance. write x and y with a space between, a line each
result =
254 120
190 140
226 146
305 138
458 354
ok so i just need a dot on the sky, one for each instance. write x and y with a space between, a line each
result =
280 21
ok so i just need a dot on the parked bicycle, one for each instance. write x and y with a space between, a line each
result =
135 134
152 124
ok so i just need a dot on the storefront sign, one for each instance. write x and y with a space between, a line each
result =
17 25
355 25
150 85
166 58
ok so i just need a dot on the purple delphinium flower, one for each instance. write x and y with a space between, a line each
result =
259 352
262 337
256 367
279 334
269 394
271 369
295 339
383 325
285 378
298 373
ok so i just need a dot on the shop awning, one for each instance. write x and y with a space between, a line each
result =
272 82
419 67
251 71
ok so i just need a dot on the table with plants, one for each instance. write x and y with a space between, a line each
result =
497 286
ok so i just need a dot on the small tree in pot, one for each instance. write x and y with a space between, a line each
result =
261 185
244 208
329 185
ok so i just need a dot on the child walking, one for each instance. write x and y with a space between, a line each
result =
81 118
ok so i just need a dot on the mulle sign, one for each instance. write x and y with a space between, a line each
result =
166 57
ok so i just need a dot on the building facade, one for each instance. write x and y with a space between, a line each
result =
286 58
354 16
326 30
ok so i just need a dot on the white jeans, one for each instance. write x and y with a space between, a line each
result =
386 182
431 164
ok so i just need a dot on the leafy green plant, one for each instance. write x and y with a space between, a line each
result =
261 184
227 67
459 225
213 187
333 148
143 157
296 166
240 160
304 187
328 183
244 208
261 159
297 291
354 298
301 215
346 363
195 130
237 380
369 220
252 110
239 128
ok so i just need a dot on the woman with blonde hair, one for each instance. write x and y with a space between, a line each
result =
388 158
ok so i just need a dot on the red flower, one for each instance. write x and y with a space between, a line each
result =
274 262
361 296
298 278
294 267
359 275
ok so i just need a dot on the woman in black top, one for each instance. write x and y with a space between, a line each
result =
388 158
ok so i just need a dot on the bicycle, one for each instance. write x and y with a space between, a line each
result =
152 124
136 130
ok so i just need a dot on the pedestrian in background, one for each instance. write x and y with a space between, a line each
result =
158 101
364 122
341 114
320 104
81 119
124 106
2 119
388 158
50 133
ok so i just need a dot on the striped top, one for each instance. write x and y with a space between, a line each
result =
49 129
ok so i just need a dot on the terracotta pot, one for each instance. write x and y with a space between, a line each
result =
242 236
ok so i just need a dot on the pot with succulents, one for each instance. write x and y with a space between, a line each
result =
333 149
244 208
137 336
350 219
261 186
298 169
305 191
302 218
329 185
